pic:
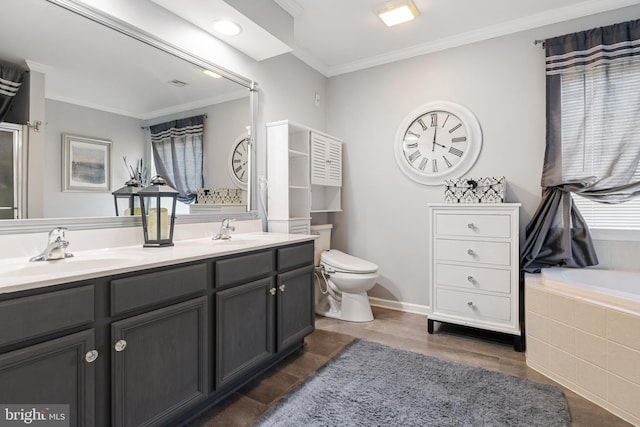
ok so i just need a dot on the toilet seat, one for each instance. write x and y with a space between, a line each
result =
343 263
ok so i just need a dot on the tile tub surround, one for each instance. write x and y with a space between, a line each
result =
590 347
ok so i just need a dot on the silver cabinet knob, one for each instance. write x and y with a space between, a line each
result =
471 252
282 287
471 226
470 304
120 345
91 356
471 279
272 291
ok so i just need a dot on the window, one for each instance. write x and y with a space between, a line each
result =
597 107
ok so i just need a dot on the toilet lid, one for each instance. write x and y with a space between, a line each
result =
347 263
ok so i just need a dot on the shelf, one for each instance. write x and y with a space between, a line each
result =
298 187
296 153
325 210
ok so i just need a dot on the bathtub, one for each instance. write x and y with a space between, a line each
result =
613 288
582 329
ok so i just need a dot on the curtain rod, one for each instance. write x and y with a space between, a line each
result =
147 127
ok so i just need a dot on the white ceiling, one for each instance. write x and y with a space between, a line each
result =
340 36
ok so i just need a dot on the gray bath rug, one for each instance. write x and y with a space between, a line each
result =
370 384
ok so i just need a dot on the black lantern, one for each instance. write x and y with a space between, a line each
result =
129 193
158 206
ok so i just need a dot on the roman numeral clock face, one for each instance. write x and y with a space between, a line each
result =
438 141
239 161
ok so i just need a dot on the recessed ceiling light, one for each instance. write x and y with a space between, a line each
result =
398 12
212 74
226 27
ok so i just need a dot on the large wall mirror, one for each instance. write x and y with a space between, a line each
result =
102 80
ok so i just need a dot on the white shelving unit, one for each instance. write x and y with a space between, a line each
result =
304 175
326 172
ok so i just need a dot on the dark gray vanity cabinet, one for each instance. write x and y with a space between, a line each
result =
172 340
159 364
295 302
160 357
295 306
244 329
58 371
48 353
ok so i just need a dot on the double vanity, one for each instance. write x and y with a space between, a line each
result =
145 336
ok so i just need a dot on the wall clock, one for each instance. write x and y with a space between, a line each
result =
436 141
239 161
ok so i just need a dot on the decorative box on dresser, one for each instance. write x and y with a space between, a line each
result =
474 267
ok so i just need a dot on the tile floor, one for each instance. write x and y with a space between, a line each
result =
396 329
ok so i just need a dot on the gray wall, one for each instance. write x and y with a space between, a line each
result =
126 136
385 214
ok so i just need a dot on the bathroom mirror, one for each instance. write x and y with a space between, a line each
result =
102 79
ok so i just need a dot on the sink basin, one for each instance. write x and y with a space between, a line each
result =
62 266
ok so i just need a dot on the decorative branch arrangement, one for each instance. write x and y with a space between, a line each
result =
140 173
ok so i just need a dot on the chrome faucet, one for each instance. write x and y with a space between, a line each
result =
225 229
56 248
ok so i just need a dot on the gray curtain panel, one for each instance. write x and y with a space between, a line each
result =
593 139
178 155
11 78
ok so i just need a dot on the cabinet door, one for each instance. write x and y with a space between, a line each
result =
52 373
159 363
326 161
244 329
295 306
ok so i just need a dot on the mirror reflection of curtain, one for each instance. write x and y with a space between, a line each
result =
593 139
178 154
11 78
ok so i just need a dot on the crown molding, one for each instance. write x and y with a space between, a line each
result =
553 16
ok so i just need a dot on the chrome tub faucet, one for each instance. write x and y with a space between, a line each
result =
56 248
225 230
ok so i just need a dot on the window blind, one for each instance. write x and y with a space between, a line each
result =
598 106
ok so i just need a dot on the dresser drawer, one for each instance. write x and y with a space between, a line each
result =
474 306
461 276
496 253
148 289
473 225
38 315
244 268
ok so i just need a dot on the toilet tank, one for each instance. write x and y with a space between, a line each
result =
322 243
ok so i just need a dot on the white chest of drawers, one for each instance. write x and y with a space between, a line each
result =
474 267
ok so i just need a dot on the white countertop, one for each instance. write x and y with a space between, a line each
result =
18 274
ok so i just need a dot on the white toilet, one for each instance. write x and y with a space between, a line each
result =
342 280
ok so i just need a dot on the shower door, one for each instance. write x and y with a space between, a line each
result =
10 170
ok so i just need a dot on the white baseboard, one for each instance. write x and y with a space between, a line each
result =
399 305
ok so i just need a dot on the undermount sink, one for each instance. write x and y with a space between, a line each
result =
67 265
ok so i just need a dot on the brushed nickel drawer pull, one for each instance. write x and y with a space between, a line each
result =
120 345
91 356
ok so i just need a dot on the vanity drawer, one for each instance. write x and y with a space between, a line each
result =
461 276
244 268
149 289
473 225
47 313
474 306
497 253
295 256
